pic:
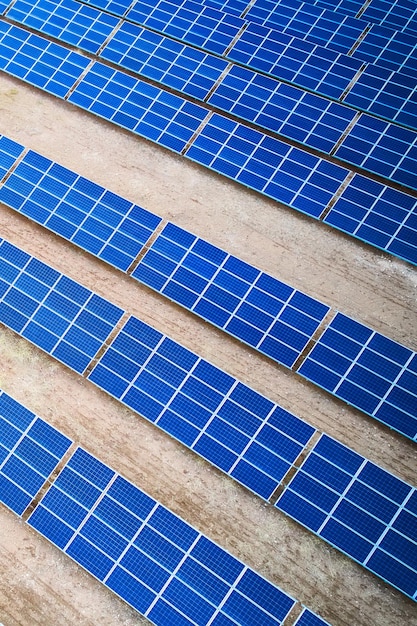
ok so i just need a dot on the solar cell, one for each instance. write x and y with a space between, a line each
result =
387 94
359 508
30 450
148 556
66 20
52 311
146 110
238 430
268 165
251 305
165 60
86 214
38 61
367 370
380 215
9 152
286 110
383 148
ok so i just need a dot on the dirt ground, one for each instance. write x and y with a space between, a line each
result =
39 586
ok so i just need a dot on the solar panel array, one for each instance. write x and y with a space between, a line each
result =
30 450
236 429
361 57
86 214
358 507
140 550
52 311
148 556
264 163
368 370
265 313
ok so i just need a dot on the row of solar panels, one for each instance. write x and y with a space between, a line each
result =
355 363
369 210
267 47
398 15
148 556
350 502
313 121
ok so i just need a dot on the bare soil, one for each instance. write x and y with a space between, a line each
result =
39 586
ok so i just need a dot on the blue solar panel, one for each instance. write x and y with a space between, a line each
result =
347 7
307 618
238 430
379 215
359 508
389 49
4 4
367 370
140 107
66 20
197 24
86 214
30 450
162 59
268 165
392 95
39 62
249 304
234 7
148 556
9 152
54 312
399 15
321 26
383 148
276 106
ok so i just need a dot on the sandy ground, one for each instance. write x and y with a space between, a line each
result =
39 586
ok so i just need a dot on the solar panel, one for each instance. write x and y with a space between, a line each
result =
266 49
249 304
388 48
268 165
165 60
230 425
392 95
3 5
146 110
347 7
307 618
326 28
148 556
367 370
52 311
9 151
379 215
359 508
399 15
30 450
197 24
38 61
383 148
68 21
286 110
86 214
234 7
